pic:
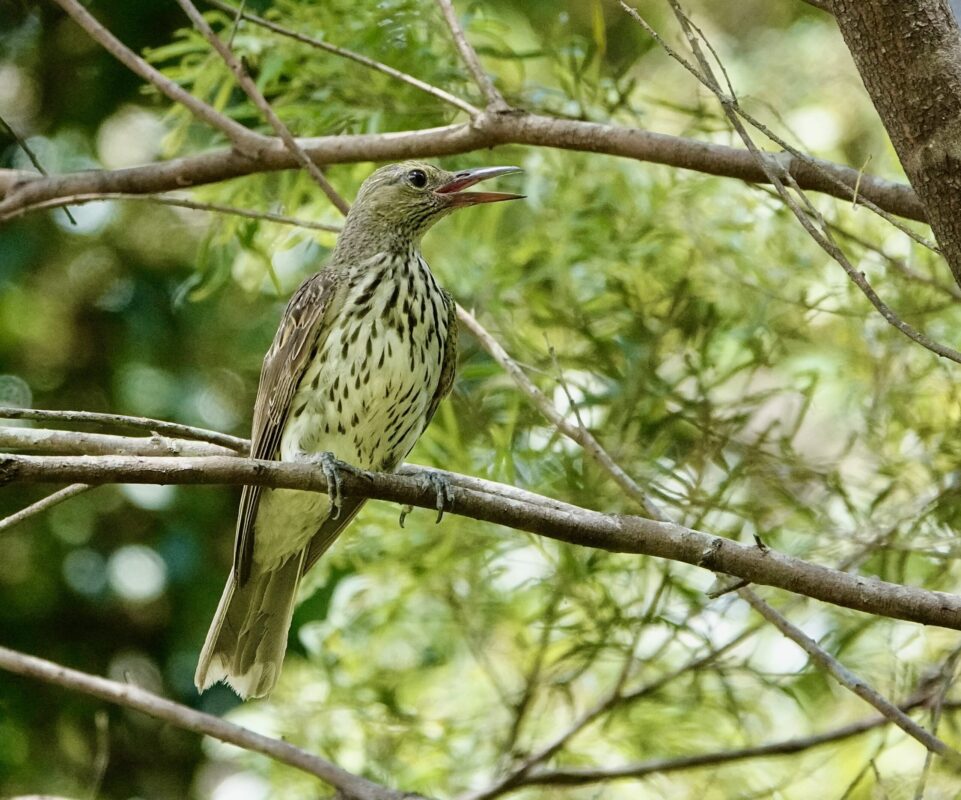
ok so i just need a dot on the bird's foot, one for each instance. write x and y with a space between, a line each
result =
333 468
443 491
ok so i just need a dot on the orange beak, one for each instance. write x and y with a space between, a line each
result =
467 178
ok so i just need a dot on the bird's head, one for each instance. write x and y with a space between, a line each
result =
400 202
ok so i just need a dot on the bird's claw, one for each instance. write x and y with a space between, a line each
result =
443 492
332 468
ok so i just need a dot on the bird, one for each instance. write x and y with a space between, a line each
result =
365 351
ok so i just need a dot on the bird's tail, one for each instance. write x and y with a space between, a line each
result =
248 636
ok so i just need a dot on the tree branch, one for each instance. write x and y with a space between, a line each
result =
40 440
179 202
485 131
778 179
349 785
45 504
509 507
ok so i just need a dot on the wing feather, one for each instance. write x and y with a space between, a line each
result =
296 342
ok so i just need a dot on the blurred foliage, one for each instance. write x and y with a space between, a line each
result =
686 320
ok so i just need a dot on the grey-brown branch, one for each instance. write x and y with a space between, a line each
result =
513 508
22 191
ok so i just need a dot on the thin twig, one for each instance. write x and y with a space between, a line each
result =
495 102
952 290
179 202
370 63
663 766
244 140
25 146
849 680
40 506
615 698
162 427
531 683
181 716
102 753
947 675
257 98
899 264
730 103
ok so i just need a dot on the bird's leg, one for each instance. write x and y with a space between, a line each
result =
332 467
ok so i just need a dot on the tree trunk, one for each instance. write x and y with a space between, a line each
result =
909 55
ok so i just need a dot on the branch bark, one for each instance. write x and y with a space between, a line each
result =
510 507
469 56
485 131
909 58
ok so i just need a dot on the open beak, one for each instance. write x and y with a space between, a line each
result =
467 178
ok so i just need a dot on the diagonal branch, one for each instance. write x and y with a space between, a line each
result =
575 433
495 102
45 504
370 63
258 99
778 179
245 141
850 681
489 502
348 785
28 151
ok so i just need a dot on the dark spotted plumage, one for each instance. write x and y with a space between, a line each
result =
364 354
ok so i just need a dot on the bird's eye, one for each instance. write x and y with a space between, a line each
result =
417 178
